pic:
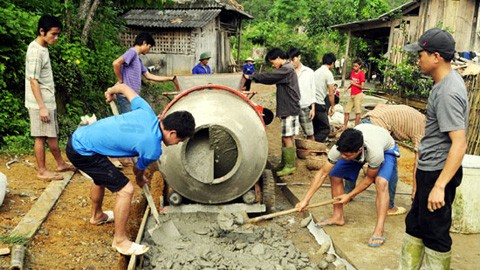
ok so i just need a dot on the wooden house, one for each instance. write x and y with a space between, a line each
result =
184 30
388 33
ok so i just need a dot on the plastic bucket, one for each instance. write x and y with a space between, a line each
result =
465 208
3 187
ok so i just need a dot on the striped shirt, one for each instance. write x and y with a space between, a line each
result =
38 67
403 122
133 69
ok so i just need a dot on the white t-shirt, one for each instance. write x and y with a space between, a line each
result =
37 66
306 84
376 140
323 78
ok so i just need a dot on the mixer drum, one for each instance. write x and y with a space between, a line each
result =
228 152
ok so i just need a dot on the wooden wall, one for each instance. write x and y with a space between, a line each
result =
457 16
205 41
472 82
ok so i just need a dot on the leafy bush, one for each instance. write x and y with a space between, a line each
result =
17 30
153 94
14 126
82 70
404 79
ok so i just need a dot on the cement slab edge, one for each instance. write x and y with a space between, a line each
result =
294 200
228 208
31 222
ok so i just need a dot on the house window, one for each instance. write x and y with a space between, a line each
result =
178 41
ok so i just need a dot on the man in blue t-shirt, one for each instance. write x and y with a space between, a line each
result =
136 133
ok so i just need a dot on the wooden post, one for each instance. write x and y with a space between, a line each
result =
344 68
238 42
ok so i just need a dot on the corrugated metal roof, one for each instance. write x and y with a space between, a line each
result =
170 18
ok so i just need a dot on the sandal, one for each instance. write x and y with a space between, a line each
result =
135 249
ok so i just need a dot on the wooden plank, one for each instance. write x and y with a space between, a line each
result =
133 259
32 221
412 103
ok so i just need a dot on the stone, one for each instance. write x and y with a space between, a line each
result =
324 248
330 258
4 251
304 223
323 264
258 249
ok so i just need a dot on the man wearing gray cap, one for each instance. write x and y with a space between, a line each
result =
441 152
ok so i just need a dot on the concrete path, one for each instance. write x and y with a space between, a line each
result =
351 240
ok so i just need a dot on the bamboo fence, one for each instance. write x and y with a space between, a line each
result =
472 82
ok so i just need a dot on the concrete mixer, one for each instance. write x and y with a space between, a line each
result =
227 155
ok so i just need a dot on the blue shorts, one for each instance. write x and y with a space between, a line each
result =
349 169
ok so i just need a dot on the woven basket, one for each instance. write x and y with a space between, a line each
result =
310 145
303 153
316 162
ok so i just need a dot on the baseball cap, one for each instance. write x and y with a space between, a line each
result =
434 40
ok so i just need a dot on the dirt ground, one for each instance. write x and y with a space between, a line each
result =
66 240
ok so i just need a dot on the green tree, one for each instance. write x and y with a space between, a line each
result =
327 13
292 13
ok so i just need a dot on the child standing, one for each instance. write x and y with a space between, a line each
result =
288 103
357 78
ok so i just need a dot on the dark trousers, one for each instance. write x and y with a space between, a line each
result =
247 84
321 126
432 227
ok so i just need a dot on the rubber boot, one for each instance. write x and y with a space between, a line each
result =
412 253
289 162
435 260
280 165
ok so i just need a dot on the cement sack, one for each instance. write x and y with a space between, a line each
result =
336 120
3 187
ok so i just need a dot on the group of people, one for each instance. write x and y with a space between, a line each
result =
305 98
439 142
301 101
137 132
439 150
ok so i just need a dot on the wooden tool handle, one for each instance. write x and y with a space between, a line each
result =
293 210
146 189
114 108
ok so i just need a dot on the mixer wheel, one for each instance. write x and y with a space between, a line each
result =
175 199
268 190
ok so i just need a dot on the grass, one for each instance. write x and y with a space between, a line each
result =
17 239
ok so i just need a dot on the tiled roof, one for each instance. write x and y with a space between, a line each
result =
230 5
170 18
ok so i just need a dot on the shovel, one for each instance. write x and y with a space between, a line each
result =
146 189
289 211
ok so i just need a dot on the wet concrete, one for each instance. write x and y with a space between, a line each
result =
219 241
